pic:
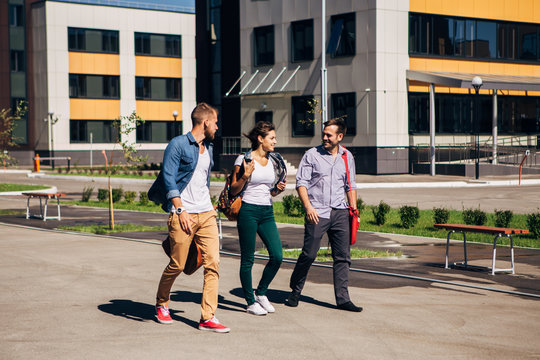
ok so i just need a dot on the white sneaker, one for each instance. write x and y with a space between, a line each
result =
256 309
263 301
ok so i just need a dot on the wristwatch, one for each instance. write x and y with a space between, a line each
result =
179 210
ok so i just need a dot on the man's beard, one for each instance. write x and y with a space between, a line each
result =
208 136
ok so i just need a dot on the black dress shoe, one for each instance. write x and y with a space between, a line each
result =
349 306
292 300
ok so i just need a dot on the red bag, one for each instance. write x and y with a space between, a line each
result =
354 216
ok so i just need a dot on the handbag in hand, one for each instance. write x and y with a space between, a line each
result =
194 258
354 216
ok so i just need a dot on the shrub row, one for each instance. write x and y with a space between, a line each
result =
409 215
117 195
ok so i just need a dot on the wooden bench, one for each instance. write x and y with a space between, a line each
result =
497 231
42 210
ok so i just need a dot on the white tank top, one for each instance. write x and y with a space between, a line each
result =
196 196
258 188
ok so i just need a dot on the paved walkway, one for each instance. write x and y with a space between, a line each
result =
69 296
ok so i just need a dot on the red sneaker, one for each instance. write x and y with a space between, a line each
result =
213 325
163 315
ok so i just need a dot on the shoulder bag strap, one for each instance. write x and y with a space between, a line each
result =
344 156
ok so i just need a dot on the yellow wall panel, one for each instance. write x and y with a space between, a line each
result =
90 63
94 109
473 67
159 110
509 10
158 66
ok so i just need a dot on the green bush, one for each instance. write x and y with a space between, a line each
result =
143 198
380 211
129 196
440 215
533 221
503 218
117 194
360 205
474 217
292 206
409 216
87 193
103 194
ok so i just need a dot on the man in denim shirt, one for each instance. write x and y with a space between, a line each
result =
321 182
182 187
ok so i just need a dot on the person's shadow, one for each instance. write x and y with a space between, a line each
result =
186 296
279 297
142 312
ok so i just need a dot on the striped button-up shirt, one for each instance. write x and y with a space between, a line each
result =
325 179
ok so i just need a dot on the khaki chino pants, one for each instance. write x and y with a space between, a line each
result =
205 234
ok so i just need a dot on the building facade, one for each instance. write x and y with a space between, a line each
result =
381 57
88 63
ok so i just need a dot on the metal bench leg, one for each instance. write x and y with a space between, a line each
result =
512 252
41 208
28 207
494 253
45 216
464 247
447 246
58 208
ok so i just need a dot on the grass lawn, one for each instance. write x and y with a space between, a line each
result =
325 254
424 227
118 228
122 205
122 174
20 187
12 212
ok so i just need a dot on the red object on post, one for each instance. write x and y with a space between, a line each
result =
36 163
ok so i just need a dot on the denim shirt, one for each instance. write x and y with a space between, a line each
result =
179 162
325 179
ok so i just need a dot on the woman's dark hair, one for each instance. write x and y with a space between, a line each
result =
262 128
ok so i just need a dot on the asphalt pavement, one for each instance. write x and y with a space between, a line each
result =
68 295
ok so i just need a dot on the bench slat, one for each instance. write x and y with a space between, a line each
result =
36 194
481 229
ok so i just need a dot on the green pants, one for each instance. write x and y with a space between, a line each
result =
253 220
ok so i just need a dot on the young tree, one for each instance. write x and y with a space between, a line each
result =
7 125
124 126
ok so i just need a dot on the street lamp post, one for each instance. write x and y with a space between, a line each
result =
50 123
175 127
477 84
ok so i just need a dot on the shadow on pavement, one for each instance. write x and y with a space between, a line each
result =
279 297
187 296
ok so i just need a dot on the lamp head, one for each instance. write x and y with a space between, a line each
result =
175 113
477 83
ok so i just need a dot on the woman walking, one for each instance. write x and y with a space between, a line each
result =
259 175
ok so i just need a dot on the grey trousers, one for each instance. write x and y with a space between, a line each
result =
338 231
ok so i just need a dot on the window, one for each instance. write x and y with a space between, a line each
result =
263 116
474 38
302 40
158 45
94 86
486 39
102 131
302 116
93 40
16 15
20 126
17 61
345 105
455 114
264 45
527 42
343 38
148 88
158 131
